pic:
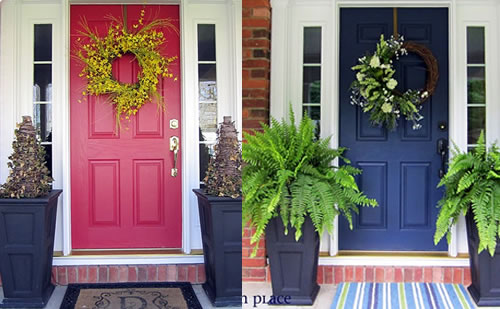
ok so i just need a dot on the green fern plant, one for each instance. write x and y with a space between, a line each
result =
472 181
289 173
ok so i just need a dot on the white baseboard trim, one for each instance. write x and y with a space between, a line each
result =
394 261
127 260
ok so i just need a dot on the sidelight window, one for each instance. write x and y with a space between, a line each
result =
311 75
42 87
207 95
476 85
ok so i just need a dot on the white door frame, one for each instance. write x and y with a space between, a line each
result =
286 65
16 84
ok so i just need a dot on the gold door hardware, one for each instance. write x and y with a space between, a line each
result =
174 146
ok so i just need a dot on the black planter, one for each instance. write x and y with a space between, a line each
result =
220 219
27 229
294 265
485 270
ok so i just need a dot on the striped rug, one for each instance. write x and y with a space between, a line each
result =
365 295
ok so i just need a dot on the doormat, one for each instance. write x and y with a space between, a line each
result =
401 295
137 295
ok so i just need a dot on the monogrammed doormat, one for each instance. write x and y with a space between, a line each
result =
137 295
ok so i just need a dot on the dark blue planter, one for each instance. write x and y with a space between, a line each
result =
27 228
220 219
485 269
294 264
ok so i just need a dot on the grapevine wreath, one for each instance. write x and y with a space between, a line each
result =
374 89
143 42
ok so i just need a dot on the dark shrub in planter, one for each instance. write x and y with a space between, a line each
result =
219 207
28 209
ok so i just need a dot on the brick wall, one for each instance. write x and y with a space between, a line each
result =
256 82
63 275
256 62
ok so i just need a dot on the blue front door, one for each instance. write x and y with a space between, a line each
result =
400 167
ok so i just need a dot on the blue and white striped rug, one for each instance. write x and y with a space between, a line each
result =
365 295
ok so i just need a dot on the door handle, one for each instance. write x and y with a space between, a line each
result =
174 146
442 150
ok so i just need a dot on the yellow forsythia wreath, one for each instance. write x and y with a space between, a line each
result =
143 42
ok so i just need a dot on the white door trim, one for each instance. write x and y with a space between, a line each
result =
289 17
16 89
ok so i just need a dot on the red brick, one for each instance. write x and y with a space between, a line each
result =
262 12
398 274
53 278
172 273
123 273
62 278
338 274
255 3
418 275
246 33
72 276
264 73
103 274
162 272
437 274
259 113
114 274
250 279
247 53
379 274
408 273
182 273
448 275
92 274
369 272
132 274
359 274
349 274
254 63
268 273
201 273
142 273
389 274
467 277
152 273
427 274
458 275
82 274
328 273
253 262
255 93
319 275
256 43
264 23
257 272
192 275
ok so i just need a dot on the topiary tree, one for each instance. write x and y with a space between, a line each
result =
224 169
29 175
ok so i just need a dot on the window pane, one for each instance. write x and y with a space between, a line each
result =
206 42
207 82
312 45
312 85
208 121
42 88
314 112
206 150
43 42
475 45
48 157
476 121
476 85
42 114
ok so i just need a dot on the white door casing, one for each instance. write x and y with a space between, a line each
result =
16 78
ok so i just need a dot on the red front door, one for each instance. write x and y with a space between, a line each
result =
123 194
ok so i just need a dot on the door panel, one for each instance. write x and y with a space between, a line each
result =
123 194
400 167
